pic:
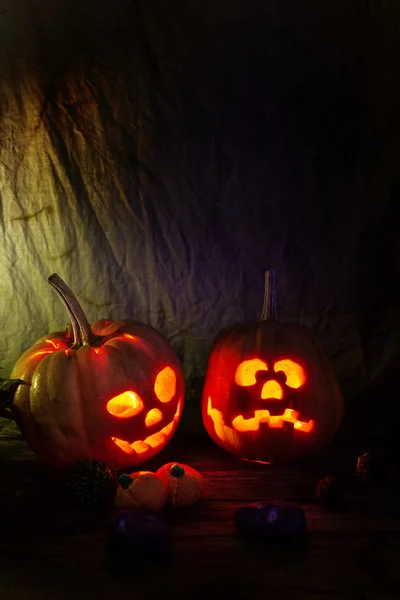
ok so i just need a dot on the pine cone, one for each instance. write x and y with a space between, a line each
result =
328 491
373 467
364 468
91 483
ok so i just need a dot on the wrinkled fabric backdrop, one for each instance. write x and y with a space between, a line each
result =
160 155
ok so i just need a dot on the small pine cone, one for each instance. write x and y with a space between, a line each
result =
91 483
373 467
364 468
327 491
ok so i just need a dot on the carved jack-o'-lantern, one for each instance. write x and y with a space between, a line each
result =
270 393
113 391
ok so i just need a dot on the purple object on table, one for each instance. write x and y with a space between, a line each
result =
271 519
139 531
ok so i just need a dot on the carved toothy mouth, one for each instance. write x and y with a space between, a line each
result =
240 424
152 441
274 421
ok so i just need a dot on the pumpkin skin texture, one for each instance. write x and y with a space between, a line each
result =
270 393
116 396
185 485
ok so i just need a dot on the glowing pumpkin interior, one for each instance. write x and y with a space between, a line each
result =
129 404
246 376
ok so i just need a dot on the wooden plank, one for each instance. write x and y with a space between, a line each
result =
52 549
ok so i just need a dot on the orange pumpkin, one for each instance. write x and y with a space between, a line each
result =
112 391
270 392
185 485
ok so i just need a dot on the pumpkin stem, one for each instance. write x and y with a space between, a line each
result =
82 333
177 471
125 481
269 305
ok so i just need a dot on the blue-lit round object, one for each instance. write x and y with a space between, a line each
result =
269 519
139 531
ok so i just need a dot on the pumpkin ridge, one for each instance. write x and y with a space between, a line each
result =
118 338
126 370
43 406
331 382
83 389
74 432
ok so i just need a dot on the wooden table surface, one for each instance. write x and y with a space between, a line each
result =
51 549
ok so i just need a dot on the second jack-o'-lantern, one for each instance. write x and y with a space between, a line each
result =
270 392
112 391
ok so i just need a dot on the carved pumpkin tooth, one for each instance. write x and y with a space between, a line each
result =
140 447
155 440
125 446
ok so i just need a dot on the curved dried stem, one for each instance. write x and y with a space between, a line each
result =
269 305
82 333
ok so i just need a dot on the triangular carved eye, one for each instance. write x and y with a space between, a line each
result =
165 385
295 374
245 374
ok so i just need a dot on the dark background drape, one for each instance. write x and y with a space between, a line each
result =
160 155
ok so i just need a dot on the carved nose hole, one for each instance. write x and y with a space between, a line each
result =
272 389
